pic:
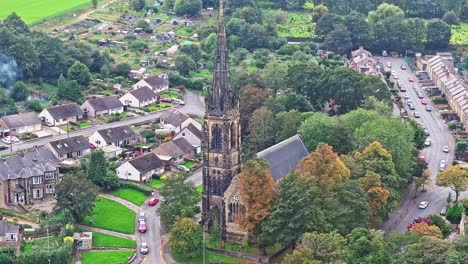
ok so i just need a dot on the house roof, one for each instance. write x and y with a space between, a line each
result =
143 94
104 103
184 145
284 156
6 228
116 134
197 132
33 163
21 120
147 163
168 149
360 51
156 81
68 145
65 111
173 117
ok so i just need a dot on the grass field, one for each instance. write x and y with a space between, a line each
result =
460 34
106 257
155 184
210 258
113 216
104 240
131 195
32 10
297 25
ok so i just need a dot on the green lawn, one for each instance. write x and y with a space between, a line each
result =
130 195
460 34
170 94
113 216
188 164
200 189
104 240
297 25
106 257
84 124
38 243
155 184
210 257
32 10
156 107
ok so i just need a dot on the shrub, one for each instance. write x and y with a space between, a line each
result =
462 145
136 187
438 221
452 126
439 100
454 214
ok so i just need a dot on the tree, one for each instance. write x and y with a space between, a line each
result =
6 259
143 24
287 102
366 246
359 29
80 73
326 247
302 255
122 69
251 99
95 3
318 12
75 196
424 229
440 34
174 205
138 5
257 193
187 7
377 197
275 76
318 128
451 18
422 180
35 105
73 92
286 124
261 127
185 64
19 92
97 168
454 177
326 24
440 222
324 165
339 40
384 12
185 238
418 31
428 250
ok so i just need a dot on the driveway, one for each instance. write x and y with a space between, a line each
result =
440 137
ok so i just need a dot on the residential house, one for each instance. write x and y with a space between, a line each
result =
61 114
102 106
117 136
193 135
140 169
9 233
174 120
362 61
111 151
28 177
70 148
170 153
157 83
187 148
20 123
140 97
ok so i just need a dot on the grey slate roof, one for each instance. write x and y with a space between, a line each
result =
8 228
197 132
156 82
174 117
284 156
169 149
116 134
68 145
65 111
105 103
184 145
143 94
33 163
21 120
147 163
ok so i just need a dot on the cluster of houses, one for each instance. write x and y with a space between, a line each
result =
363 61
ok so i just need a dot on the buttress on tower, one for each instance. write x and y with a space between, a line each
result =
221 136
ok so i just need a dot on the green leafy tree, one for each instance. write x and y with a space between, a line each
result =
320 127
187 7
318 12
185 238
366 246
440 34
384 12
174 205
429 250
422 180
454 177
286 124
275 76
261 129
95 3
76 196
418 31
185 64
143 24
19 91
35 105
326 24
97 168
122 69
339 40
359 28
451 18
6 259
73 92
80 73
444 227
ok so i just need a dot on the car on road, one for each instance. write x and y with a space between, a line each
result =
410 79
409 101
423 101
446 149
420 95
166 100
142 227
426 132
3 147
406 96
422 158
389 64
403 67
427 143
415 86
6 140
442 165
141 217
178 101
416 114
395 77
423 204
144 248
428 108
411 106
393 73
443 211
182 168
153 201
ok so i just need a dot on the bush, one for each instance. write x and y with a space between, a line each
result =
461 145
454 214
439 100
136 187
438 221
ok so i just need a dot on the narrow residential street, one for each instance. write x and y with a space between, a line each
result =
194 104
440 136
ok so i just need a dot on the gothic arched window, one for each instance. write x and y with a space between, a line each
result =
235 208
216 137
233 135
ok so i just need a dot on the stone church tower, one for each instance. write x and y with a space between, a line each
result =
221 136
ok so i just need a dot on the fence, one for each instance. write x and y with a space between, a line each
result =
75 9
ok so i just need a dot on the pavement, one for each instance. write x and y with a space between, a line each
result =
440 137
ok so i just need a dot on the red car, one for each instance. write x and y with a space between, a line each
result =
422 158
153 201
142 226
423 101
166 100
410 79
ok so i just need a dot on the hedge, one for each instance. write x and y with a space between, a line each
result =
454 214
131 185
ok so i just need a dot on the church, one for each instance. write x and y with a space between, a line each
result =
221 145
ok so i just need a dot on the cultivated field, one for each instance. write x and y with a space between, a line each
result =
33 10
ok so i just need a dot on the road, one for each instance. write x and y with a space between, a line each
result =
194 104
440 136
152 235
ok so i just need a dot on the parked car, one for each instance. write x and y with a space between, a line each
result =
442 165
411 107
141 217
416 114
426 132
422 158
428 108
410 79
406 96
423 204
423 101
389 64
6 140
443 211
395 77
403 67
409 101
144 248
3 147
178 101
166 100
415 86
153 201
420 95
427 143
182 168
142 227
446 149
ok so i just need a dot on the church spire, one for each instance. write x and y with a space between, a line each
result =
221 98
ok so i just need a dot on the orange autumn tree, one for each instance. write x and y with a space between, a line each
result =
324 165
424 229
376 195
257 192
